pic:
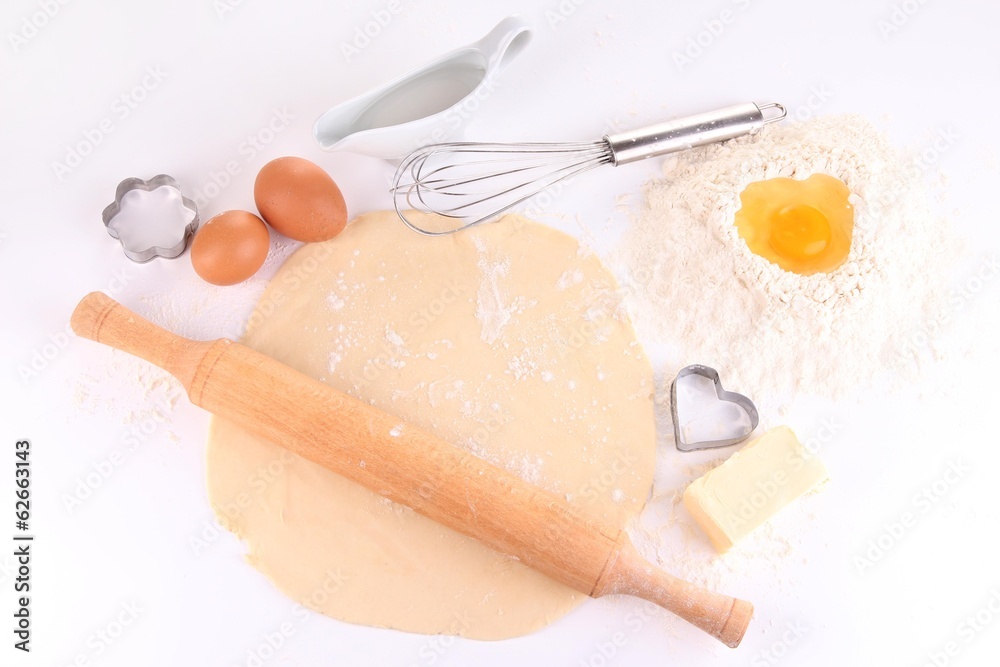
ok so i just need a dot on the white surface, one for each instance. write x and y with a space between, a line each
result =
214 81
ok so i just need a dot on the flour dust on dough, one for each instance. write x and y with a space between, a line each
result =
508 340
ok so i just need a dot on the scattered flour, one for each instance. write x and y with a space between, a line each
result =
523 365
334 301
335 358
491 309
394 338
569 278
494 307
129 390
692 283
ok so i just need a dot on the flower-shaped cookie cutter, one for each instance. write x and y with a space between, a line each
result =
151 218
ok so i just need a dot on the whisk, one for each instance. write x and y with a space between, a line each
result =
468 183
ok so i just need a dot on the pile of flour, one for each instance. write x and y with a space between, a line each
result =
692 284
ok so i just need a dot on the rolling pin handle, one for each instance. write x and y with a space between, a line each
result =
100 318
721 616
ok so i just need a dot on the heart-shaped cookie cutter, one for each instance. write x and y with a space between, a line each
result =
723 395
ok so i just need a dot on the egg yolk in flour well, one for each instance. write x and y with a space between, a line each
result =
802 226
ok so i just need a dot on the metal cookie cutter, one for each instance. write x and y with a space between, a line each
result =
151 218
725 396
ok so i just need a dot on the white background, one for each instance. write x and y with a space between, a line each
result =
589 68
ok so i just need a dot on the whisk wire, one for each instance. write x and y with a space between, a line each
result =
545 181
460 180
446 185
471 182
455 214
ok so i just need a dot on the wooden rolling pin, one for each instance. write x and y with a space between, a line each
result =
415 468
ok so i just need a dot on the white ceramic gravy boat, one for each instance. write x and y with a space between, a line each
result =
429 104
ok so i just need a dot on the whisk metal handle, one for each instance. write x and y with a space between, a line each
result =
691 131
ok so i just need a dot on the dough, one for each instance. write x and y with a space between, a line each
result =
506 339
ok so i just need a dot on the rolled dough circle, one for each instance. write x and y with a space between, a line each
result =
507 339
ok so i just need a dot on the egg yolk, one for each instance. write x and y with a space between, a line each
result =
802 226
799 232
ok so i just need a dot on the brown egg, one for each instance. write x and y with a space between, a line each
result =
299 200
230 247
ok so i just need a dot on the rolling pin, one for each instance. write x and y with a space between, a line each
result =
414 468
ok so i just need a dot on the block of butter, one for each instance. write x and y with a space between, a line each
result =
755 483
